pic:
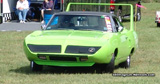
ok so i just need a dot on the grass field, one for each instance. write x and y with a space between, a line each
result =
14 66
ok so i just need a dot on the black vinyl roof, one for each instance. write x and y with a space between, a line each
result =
85 13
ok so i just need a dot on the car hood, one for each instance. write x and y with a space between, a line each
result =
68 37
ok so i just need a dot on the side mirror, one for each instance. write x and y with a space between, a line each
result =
120 28
43 27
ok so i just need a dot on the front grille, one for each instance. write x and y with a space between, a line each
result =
82 49
63 57
45 48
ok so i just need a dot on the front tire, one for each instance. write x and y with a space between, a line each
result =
35 67
110 67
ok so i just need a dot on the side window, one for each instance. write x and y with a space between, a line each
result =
117 24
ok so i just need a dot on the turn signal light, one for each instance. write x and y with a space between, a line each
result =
42 57
83 58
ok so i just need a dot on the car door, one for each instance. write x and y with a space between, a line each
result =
121 34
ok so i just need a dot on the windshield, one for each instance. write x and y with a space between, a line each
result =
77 22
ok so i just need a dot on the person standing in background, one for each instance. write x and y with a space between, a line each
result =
47 5
22 9
112 7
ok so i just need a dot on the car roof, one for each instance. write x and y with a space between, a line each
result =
85 13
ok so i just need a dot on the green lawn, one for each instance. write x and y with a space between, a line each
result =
14 66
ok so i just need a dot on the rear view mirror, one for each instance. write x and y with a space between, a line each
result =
120 28
43 27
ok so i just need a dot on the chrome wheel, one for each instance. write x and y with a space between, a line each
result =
126 64
128 61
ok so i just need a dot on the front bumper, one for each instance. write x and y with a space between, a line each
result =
70 59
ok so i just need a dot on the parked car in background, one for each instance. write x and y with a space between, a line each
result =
157 20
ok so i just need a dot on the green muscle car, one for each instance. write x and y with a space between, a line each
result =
81 39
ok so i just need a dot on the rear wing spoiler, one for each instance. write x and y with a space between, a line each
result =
131 11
